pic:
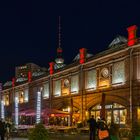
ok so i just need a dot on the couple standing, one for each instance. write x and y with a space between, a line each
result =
100 126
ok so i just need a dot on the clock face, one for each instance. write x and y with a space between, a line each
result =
105 72
66 83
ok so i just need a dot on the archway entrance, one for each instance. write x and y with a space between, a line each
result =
115 113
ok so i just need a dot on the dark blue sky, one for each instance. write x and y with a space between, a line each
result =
29 30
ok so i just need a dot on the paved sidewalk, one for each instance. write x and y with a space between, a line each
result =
74 137
18 139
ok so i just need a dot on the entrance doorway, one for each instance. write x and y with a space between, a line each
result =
115 113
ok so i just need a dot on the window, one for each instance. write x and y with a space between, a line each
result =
74 84
91 81
57 88
117 111
26 95
5 99
46 90
23 96
118 72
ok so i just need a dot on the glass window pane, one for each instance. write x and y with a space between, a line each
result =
75 84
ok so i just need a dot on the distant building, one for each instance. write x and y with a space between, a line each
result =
104 85
22 71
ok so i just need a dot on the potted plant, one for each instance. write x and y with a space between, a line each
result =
38 133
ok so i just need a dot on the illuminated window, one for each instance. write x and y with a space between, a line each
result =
21 97
118 73
26 95
91 81
65 87
117 111
46 90
57 88
138 112
5 99
74 84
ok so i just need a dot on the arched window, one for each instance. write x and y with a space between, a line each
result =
114 112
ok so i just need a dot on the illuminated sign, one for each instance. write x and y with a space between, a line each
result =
38 108
16 111
2 110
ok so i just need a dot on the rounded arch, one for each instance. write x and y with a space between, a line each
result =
108 100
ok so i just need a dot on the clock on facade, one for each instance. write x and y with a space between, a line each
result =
66 83
105 72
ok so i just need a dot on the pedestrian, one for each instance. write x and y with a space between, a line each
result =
2 129
8 125
92 127
103 132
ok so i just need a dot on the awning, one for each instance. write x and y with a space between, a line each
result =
44 112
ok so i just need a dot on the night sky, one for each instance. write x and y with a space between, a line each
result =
29 30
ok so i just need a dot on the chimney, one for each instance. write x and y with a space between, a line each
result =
82 55
51 67
29 76
132 38
13 82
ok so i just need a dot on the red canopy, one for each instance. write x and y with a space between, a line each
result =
44 112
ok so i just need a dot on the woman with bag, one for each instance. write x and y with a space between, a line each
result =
103 132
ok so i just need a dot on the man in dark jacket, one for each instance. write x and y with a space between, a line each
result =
92 127
2 129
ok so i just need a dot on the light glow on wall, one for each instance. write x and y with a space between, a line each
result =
138 113
16 111
2 110
38 108
104 84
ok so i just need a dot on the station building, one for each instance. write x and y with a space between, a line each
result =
106 84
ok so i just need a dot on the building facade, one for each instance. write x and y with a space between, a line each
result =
105 84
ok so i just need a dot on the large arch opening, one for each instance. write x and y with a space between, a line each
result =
114 112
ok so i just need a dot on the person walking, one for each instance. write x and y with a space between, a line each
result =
103 132
2 129
8 129
92 127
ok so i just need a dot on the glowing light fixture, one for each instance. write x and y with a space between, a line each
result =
38 108
16 111
2 110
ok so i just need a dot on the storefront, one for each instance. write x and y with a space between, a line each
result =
115 113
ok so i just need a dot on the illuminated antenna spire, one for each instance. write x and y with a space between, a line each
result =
59 58
59 49
59 33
